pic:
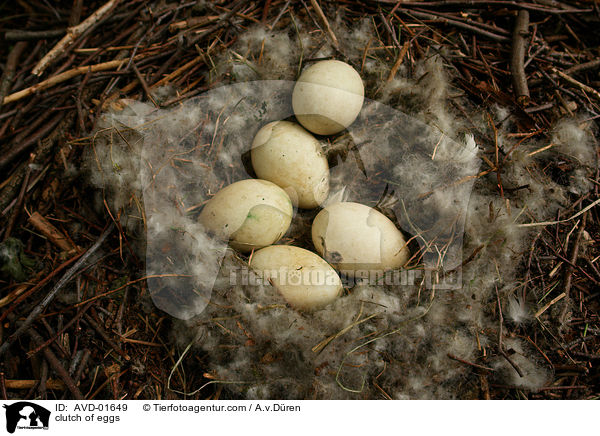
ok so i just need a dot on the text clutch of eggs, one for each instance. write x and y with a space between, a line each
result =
159 417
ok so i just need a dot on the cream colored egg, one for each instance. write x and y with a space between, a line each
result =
304 279
354 237
328 97
250 213
289 156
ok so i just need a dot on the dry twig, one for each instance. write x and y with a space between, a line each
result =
57 366
577 83
51 232
501 335
517 59
28 35
63 77
9 69
50 296
323 18
568 277
72 34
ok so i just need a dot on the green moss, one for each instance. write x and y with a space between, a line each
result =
13 261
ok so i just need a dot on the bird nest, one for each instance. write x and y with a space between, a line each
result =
494 192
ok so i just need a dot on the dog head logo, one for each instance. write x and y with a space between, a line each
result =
26 415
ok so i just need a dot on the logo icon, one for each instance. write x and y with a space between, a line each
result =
26 415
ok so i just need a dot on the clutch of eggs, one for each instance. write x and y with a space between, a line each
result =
293 171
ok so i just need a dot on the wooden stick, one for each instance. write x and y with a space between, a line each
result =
517 59
398 62
323 18
28 384
75 16
483 4
460 24
22 292
547 306
88 319
192 22
178 71
500 335
57 366
13 294
585 66
9 69
72 34
28 35
63 77
52 233
72 321
466 362
50 296
577 83
568 277
18 205
3 386
21 145
144 84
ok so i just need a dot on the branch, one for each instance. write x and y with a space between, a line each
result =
500 345
25 326
63 77
434 16
323 18
517 66
17 148
568 277
9 69
483 4
57 366
72 34
582 67
52 233
577 83
27 35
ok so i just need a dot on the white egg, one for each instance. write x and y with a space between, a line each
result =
354 237
304 279
287 155
328 97
250 214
